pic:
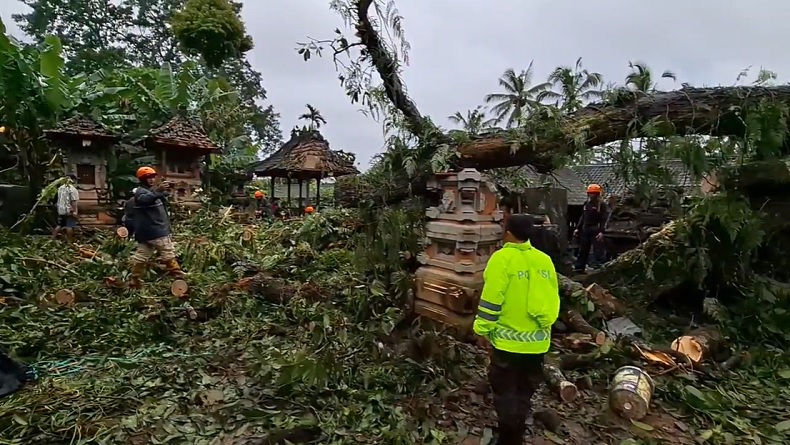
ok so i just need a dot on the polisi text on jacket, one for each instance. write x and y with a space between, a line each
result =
524 274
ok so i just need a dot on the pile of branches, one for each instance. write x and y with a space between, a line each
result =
285 329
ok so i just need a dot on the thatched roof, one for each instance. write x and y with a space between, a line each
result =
80 127
181 132
306 156
576 178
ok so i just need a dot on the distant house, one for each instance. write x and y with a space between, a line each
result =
575 179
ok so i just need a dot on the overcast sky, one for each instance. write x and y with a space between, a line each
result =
460 47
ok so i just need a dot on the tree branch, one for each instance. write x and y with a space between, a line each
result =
388 69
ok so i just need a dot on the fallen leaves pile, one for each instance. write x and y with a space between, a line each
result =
327 361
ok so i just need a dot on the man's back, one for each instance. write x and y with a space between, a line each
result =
151 220
521 285
67 194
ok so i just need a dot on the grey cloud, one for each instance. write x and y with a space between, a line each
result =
460 47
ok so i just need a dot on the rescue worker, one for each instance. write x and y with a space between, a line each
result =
519 304
262 207
309 210
591 226
68 196
152 227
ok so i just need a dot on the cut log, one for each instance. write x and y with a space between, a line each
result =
576 322
699 344
574 293
567 362
605 301
65 297
122 232
578 342
566 390
179 288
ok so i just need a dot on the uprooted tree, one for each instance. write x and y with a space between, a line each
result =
726 242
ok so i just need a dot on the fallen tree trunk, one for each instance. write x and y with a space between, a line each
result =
707 111
629 269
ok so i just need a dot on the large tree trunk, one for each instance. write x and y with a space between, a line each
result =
687 111
709 111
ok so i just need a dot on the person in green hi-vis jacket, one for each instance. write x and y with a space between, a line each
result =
519 304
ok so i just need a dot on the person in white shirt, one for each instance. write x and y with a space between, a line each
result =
67 208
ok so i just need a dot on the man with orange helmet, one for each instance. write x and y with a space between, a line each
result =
152 227
591 226
262 204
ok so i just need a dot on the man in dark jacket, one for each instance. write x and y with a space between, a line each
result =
152 228
595 217
128 214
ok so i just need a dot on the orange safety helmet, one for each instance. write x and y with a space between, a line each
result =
144 172
594 188
259 194
309 209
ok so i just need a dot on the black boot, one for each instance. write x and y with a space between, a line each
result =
510 436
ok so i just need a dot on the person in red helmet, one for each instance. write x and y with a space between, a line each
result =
152 227
595 216
262 208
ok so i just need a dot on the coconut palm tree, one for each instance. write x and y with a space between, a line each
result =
641 78
575 86
313 117
519 98
474 122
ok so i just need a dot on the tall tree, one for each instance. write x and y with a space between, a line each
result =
313 117
576 86
642 80
135 33
211 29
475 121
519 98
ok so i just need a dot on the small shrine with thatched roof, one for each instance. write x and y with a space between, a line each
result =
180 146
86 145
305 157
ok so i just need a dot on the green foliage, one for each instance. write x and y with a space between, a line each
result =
137 33
34 93
212 29
325 369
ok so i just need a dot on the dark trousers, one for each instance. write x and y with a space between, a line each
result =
587 242
514 378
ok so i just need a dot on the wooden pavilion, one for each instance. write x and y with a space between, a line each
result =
305 157
86 145
179 146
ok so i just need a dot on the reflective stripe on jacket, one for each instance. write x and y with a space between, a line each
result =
520 300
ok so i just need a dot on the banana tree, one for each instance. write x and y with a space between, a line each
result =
35 93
